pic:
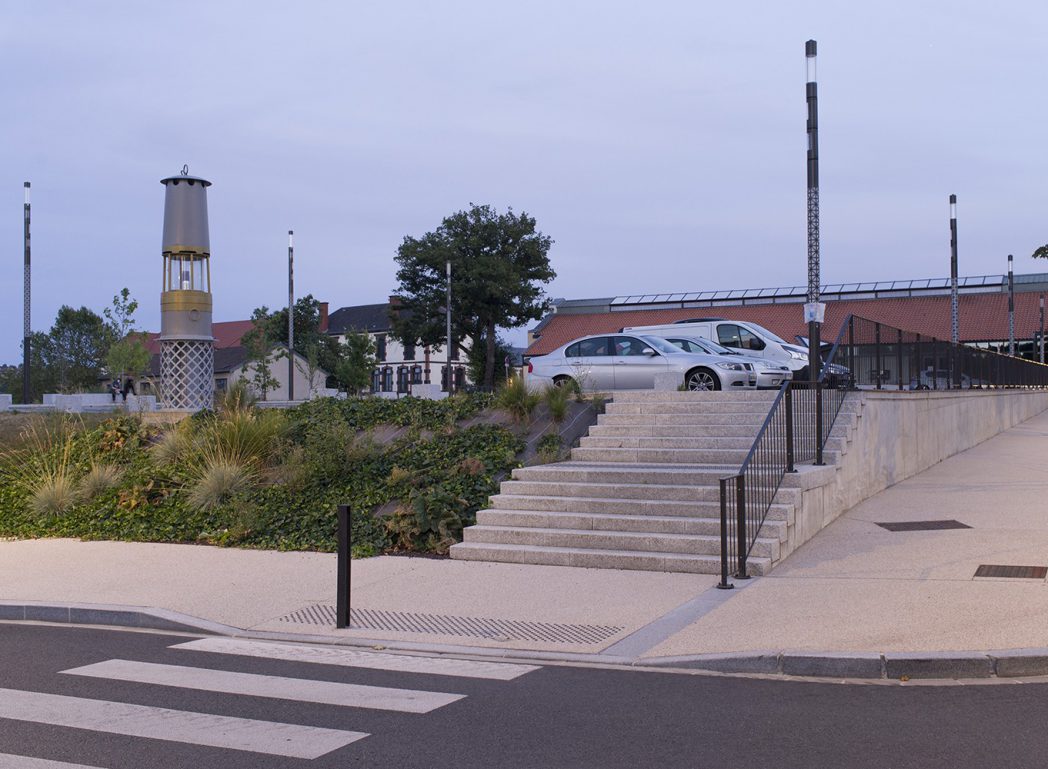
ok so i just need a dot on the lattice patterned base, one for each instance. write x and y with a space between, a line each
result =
187 374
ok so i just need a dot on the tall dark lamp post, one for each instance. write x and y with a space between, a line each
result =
26 329
812 308
291 315
1011 308
1040 337
955 330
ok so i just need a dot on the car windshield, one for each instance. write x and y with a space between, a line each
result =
661 344
713 347
767 333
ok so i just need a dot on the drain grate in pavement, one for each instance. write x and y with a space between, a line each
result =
442 624
1012 572
923 525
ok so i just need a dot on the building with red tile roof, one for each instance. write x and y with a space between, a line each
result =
921 306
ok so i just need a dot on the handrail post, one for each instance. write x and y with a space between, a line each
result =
877 348
724 584
851 350
740 509
898 359
789 430
344 564
818 421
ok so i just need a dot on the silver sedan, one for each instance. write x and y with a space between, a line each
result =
631 362
770 373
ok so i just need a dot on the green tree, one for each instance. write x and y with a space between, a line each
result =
259 343
478 360
307 333
128 353
499 265
41 376
356 362
1041 253
74 349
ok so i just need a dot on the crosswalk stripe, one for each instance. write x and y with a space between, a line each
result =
357 658
279 687
290 740
9 761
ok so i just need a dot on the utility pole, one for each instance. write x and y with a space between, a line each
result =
1011 308
291 315
26 324
955 329
447 302
812 308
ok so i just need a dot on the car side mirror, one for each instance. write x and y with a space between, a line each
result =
649 352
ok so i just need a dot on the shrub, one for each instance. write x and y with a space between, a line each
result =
557 400
53 495
98 479
220 477
548 447
518 400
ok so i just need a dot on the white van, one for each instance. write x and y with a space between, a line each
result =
757 341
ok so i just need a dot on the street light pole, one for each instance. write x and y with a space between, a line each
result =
447 302
955 331
812 95
290 315
1011 308
26 324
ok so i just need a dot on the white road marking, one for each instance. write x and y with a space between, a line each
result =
358 658
246 734
278 687
8 761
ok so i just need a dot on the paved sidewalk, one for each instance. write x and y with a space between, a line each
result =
858 600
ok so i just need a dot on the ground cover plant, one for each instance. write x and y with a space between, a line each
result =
262 478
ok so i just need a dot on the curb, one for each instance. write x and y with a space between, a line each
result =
1000 663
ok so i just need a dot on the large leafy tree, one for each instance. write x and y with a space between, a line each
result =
75 349
1041 253
309 339
499 264
357 361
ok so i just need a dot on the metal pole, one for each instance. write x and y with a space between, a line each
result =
1011 308
447 301
741 537
26 329
724 584
789 430
955 374
344 565
290 315
812 94
1041 342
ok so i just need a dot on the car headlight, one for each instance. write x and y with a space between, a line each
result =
732 366
797 355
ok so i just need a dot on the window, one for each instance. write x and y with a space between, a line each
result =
416 375
460 378
220 384
454 350
376 381
387 379
403 376
380 347
588 348
409 351
628 345
444 378
731 335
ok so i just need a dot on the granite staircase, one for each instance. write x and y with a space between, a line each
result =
640 492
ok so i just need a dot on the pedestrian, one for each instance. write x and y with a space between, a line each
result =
129 387
114 388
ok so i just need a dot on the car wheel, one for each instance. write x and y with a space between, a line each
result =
701 379
565 381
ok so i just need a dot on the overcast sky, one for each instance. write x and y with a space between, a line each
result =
660 144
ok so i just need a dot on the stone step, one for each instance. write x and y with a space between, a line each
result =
654 396
683 419
662 442
698 407
747 431
661 456
588 539
782 510
599 559
653 524
636 491
577 471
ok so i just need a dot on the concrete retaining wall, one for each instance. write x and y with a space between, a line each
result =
894 436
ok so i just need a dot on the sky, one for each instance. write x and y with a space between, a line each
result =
660 144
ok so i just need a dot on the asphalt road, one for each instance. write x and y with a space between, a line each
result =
549 717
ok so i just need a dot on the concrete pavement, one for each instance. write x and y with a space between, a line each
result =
857 600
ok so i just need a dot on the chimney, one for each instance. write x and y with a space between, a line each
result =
323 317
394 306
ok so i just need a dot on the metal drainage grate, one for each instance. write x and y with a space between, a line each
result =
1012 572
923 525
473 627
